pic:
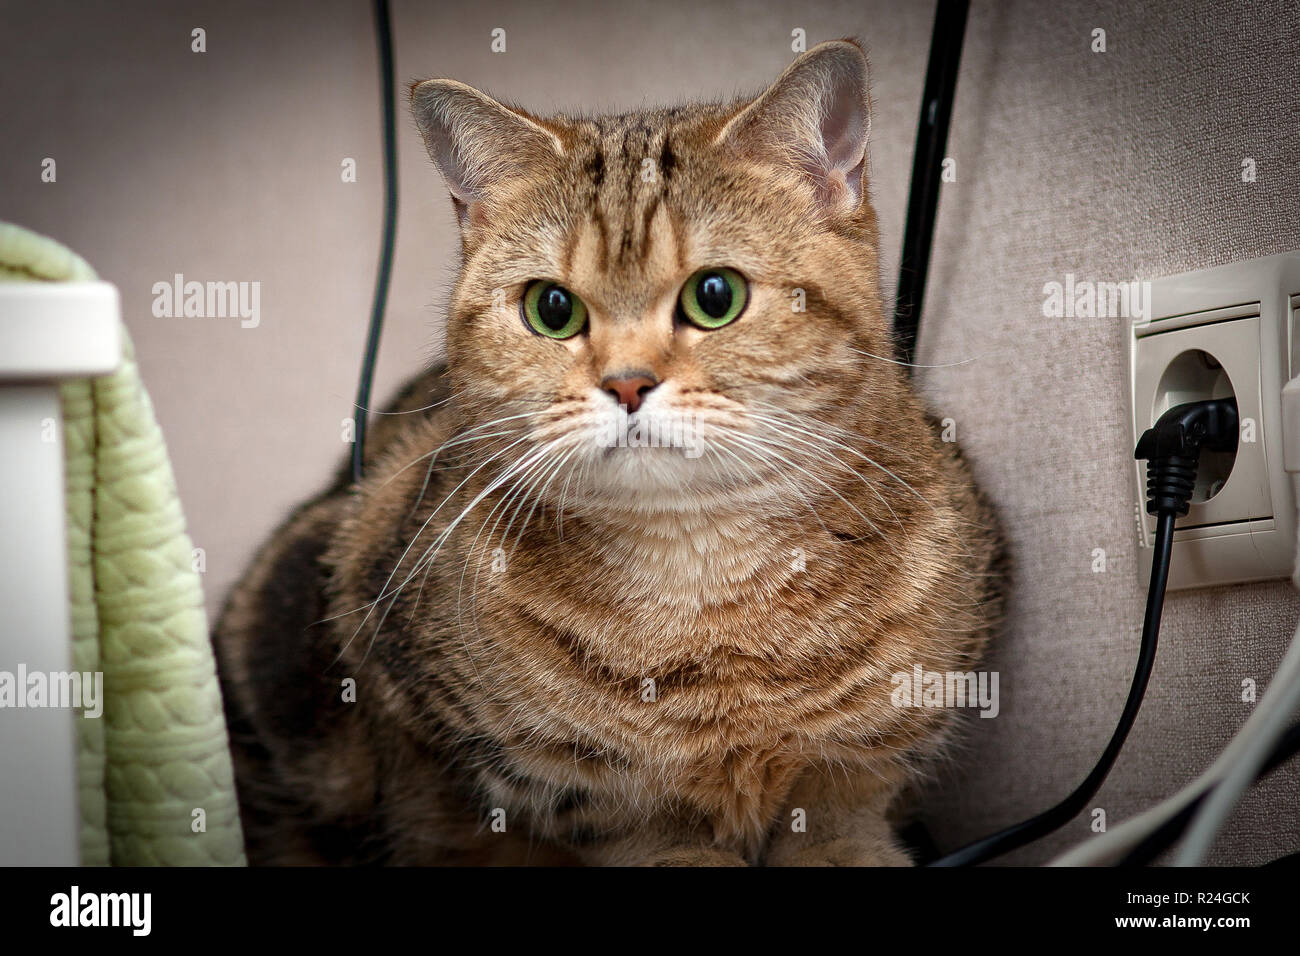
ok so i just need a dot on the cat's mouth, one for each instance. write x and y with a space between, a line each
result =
663 455
674 432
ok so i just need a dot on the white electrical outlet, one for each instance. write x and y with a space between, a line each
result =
1221 332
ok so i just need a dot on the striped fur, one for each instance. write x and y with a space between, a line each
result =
566 653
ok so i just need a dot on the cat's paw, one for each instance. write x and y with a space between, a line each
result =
845 851
694 856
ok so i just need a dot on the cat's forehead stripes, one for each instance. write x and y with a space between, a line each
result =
629 235
632 184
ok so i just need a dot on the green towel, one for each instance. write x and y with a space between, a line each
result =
160 751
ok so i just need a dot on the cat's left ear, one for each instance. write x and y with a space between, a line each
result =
815 117
477 143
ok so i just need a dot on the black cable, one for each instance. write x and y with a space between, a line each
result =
927 163
361 408
1029 830
1165 835
1172 449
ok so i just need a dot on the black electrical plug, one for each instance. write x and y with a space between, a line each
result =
1172 447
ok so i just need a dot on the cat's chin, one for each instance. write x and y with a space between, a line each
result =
662 480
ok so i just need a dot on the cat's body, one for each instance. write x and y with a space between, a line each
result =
565 651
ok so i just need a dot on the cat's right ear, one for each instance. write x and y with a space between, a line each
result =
816 118
477 143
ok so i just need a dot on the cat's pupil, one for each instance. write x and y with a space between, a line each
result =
555 308
714 295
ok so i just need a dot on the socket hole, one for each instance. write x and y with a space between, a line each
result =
1194 376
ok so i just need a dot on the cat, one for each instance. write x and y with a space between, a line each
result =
545 628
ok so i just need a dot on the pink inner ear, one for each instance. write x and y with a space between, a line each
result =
835 190
842 132
816 117
853 178
844 137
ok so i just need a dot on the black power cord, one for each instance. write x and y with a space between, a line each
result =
1172 448
361 408
927 163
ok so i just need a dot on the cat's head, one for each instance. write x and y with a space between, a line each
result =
699 280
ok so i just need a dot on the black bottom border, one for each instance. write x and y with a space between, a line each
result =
211 906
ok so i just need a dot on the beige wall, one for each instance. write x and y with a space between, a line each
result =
226 166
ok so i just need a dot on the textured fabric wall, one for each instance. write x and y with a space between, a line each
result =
1109 166
226 166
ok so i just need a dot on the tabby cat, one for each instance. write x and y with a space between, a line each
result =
627 579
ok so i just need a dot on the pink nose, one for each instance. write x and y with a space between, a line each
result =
629 388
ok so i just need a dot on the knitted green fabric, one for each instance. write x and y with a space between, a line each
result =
160 752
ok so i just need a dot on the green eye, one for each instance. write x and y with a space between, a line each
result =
713 297
553 310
